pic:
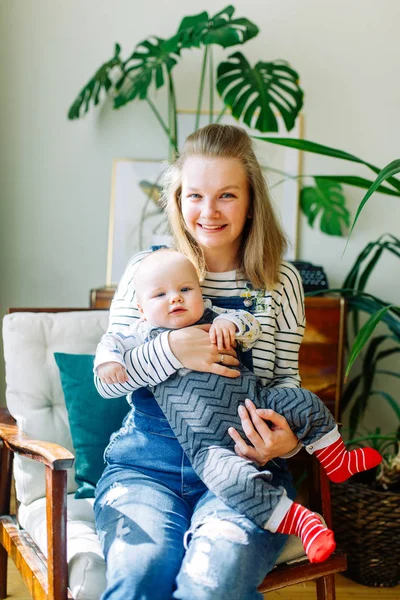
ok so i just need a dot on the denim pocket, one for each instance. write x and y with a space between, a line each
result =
151 424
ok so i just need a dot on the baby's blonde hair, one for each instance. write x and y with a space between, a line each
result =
145 263
263 241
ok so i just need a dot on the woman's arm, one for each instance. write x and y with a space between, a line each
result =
277 440
289 332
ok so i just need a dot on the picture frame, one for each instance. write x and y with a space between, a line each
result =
137 221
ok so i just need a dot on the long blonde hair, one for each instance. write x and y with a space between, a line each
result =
263 241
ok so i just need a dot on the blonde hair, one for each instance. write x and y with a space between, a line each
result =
263 241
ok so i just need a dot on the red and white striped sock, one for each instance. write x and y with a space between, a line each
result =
318 540
340 464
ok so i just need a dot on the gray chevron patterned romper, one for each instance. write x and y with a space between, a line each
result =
200 407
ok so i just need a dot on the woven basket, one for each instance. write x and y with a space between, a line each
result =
367 528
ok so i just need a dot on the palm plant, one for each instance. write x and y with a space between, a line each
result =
362 388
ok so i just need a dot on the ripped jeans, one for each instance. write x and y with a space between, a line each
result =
164 535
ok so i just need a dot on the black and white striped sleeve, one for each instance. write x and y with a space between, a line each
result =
289 332
149 364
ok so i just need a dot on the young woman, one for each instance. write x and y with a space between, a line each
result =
163 533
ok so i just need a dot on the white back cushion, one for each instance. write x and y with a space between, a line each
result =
34 393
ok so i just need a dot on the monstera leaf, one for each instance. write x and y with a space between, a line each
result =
253 92
221 29
100 80
326 198
149 62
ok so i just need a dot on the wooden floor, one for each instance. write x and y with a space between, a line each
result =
345 590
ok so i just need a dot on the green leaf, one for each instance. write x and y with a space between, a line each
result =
101 80
387 352
390 400
359 182
313 147
221 29
359 274
369 268
370 304
254 93
384 175
385 241
391 373
349 392
356 414
328 200
364 335
371 438
149 63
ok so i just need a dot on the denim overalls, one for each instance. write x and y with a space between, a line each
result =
150 505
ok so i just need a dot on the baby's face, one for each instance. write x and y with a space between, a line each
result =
169 293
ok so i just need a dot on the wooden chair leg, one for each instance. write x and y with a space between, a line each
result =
3 573
6 460
326 588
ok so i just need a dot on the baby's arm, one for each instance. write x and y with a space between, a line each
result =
109 363
232 325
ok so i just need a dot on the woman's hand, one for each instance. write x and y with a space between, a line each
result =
193 348
267 442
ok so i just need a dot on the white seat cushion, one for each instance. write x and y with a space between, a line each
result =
34 393
86 566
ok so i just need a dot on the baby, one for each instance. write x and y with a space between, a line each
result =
201 406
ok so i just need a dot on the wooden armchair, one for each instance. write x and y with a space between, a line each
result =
321 370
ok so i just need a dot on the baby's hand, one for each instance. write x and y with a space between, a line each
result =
112 372
223 334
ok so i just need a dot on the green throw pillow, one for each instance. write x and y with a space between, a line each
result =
92 419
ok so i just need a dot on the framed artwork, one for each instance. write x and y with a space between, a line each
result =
137 220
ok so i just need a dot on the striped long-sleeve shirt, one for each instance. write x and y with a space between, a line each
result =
280 312
114 345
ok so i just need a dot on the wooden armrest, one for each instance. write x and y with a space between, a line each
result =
52 455
56 460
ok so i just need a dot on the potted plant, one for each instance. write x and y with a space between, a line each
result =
366 509
254 94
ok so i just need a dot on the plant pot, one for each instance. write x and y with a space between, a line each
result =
366 523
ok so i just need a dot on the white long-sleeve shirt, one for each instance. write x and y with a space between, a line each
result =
114 345
280 312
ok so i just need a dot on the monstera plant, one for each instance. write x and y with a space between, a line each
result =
254 94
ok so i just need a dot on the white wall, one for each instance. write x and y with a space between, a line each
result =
55 174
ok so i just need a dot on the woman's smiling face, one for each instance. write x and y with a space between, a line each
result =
216 205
